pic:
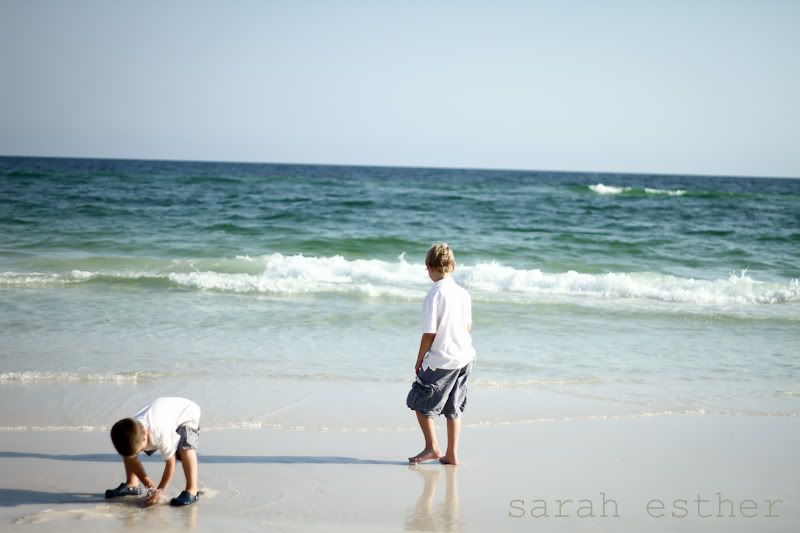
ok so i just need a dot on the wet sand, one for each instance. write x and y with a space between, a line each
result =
665 473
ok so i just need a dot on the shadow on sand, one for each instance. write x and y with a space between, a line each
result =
211 459
14 497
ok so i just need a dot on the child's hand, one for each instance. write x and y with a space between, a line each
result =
154 496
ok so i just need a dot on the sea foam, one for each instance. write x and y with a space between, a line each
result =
494 278
278 274
94 377
608 189
601 188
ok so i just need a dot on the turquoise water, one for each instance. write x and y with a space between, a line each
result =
284 295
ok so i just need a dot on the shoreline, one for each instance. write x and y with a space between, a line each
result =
232 403
337 481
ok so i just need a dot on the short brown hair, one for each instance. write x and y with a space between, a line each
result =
127 435
441 258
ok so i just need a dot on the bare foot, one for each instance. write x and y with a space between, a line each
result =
448 460
428 454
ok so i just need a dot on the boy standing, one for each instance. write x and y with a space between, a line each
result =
445 357
169 425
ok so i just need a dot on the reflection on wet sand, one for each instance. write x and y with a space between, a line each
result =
191 516
161 516
131 512
429 517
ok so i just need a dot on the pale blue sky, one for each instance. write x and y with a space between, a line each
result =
698 87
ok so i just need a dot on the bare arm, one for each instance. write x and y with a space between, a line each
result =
425 344
137 468
166 477
169 470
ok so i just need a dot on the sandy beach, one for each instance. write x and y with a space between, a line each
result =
318 222
668 473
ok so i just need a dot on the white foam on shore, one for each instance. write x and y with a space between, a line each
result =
254 425
345 377
741 289
489 281
75 377
83 429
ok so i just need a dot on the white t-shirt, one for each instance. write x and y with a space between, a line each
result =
447 311
162 417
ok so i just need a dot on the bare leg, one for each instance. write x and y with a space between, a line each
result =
431 450
453 434
130 478
189 462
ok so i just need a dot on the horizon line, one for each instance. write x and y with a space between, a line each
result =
421 167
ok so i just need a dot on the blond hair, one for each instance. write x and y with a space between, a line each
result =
441 258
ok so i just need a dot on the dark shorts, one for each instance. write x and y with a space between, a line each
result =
190 438
440 392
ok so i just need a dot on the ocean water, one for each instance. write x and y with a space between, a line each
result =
289 296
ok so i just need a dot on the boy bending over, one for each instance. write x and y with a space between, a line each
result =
169 425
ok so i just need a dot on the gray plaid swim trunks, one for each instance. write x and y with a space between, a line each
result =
190 438
440 392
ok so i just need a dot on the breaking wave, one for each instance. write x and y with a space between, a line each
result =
278 274
600 188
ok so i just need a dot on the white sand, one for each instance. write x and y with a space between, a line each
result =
358 481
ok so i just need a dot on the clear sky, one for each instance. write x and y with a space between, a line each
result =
697 87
